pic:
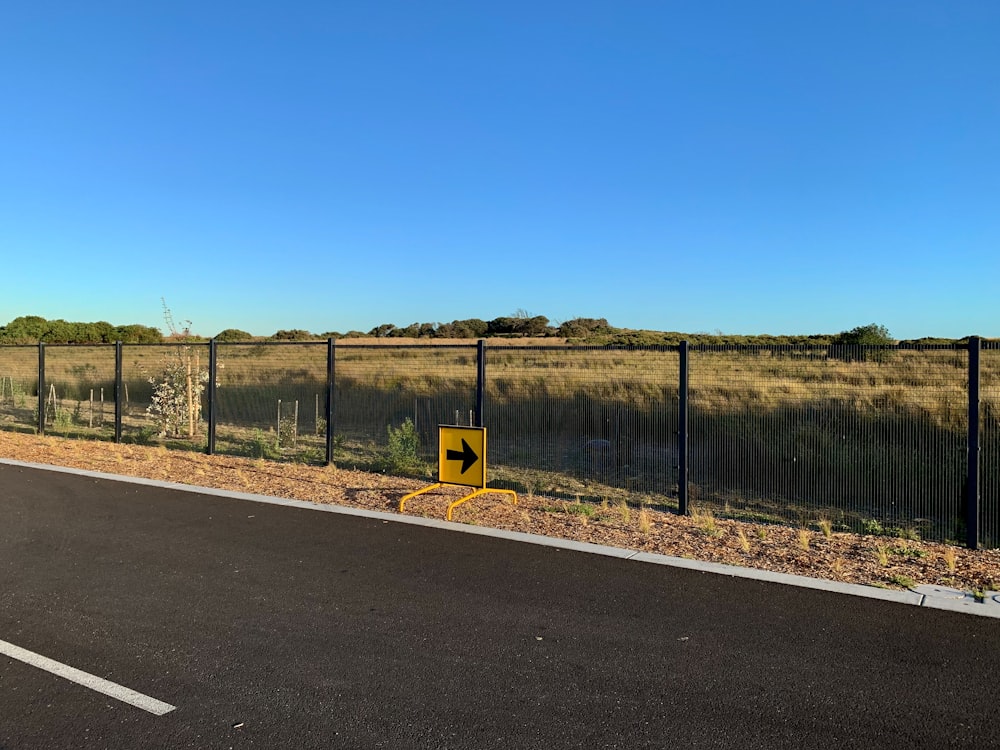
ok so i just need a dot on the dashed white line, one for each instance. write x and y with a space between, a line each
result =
98 684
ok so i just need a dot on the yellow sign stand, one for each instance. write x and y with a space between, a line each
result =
462 462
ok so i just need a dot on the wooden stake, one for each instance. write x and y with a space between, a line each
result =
190 400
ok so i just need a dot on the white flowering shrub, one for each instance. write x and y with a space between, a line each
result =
171 408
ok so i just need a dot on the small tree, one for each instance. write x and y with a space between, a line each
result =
869 335
400 455
234 334
849 343
176 399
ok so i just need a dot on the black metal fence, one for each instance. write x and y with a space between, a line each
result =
873 439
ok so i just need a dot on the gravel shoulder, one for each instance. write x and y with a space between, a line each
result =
871 560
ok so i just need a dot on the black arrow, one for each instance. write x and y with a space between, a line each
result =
467 456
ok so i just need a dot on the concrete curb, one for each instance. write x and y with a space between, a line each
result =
963 606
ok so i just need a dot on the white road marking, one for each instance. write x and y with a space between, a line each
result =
99 684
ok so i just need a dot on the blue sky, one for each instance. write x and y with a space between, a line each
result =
748 167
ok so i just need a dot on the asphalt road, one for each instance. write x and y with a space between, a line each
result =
278 627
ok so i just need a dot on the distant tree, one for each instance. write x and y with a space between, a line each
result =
138 334
32 329
847 344
445 331
27 329
579 328
471 328
233 334
869 335
383 330
537 325
99 332
295 334
501 326
409 332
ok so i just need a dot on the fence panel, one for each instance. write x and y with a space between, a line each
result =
989 468
380 386
163 394
80 390
19 388
868 438
271 400
584 422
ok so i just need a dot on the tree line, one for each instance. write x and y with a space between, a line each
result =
32 329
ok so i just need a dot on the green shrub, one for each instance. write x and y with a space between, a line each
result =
262 445
400 454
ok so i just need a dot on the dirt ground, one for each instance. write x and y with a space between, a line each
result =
873 560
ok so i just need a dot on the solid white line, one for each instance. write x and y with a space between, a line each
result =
99 684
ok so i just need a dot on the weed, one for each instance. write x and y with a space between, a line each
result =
262 446
744 542
950 559
762 532
705 521
804 537
825 526
531 488
624 511
143 436
905 551
883 555
573 509
903 581
837 566
645 524
873 528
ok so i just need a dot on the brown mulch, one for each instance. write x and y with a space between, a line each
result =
872 560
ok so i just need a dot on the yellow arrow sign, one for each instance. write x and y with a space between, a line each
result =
462 456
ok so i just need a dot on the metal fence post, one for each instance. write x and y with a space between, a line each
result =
682 431
972 476
41 387
480 381
118 391
212 371
331 362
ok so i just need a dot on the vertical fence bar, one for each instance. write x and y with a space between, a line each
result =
331 362
682 432
480 381
972 476
41 388
118 391
212 377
